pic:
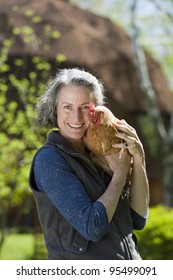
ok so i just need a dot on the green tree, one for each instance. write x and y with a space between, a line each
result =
22 81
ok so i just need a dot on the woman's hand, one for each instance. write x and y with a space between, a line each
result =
131 141
139 181
119 163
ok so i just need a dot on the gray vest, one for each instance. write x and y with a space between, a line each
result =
63 242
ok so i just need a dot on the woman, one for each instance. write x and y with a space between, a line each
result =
84 213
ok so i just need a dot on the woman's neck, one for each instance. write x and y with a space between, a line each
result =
79 147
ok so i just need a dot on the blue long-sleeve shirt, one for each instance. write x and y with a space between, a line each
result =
54 177
67 193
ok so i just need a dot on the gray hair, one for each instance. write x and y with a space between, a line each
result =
46 108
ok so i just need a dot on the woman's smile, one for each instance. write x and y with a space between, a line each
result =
75 126
73 111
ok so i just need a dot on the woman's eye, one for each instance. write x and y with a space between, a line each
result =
67 107
84 108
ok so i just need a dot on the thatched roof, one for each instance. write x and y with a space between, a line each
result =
88 41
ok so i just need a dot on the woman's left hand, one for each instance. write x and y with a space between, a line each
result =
131 141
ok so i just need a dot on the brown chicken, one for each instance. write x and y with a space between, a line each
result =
101 134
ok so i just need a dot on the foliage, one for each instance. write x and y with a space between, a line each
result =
149 132
156 238
17 247
27 246
22 81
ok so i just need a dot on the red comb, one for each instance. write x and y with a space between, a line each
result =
92 109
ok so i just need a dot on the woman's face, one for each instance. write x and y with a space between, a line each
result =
73 111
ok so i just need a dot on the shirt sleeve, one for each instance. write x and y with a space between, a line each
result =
138 221
54 177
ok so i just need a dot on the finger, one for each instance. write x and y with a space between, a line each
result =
122 121
125 127
127 138
116 155
124 147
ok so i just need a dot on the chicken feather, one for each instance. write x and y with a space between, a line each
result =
101 134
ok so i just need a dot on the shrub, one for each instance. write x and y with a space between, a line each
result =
156 239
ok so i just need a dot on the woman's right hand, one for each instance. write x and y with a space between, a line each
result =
120 165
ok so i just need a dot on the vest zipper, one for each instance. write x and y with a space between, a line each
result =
79 156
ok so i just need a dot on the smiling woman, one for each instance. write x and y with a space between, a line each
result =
73 114
83 211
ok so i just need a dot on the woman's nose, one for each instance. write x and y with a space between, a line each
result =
77 115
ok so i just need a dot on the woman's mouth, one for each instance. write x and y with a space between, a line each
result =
75 125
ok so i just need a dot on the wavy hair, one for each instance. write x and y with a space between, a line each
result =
46 107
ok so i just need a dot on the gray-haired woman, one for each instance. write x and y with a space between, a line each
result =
82 210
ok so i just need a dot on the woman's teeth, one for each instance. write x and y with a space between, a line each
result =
75 125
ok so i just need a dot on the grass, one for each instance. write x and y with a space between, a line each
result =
17 247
